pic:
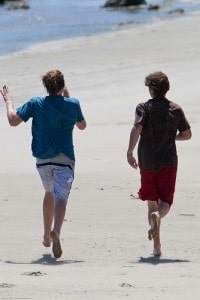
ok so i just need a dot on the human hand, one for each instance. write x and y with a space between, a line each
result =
6 94
66 92
131 160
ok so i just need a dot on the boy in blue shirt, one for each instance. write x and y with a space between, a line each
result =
53 120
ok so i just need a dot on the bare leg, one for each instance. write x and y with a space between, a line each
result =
48 211
152 207
156 242
155 213
163 209
153 219
59 214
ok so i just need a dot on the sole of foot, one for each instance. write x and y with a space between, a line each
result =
57 250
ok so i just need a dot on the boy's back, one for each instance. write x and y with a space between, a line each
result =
160 120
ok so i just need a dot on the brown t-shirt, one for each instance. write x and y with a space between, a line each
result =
160 120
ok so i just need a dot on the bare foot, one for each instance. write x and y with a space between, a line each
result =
154 226
46 243
57 251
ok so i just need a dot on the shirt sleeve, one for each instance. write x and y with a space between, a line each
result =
26 111
183 123
140 114
80 116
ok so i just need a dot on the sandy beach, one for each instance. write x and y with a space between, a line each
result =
106 253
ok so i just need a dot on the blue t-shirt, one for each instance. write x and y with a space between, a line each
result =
53 120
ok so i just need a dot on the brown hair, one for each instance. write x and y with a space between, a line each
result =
53 81
159 82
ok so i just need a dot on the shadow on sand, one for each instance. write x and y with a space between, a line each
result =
46 259
155 260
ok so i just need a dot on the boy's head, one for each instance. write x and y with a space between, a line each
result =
53 81
158 82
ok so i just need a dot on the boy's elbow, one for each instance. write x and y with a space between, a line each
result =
14 121
81 125
186 135
190 136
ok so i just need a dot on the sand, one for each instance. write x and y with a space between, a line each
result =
106 252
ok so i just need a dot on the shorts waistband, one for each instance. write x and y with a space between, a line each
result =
53 164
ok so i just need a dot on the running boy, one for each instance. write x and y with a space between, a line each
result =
53 120
159 123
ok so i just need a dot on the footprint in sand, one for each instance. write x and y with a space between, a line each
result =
6 285
34 273
126 285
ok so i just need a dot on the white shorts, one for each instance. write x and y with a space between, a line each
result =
57 175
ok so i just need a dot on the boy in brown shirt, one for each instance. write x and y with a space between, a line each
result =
159 122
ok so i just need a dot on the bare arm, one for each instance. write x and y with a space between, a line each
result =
13 118
184 135
81 125
134 136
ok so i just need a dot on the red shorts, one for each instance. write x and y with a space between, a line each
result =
158 185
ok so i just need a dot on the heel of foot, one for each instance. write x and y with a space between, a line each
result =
157 251
57 250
